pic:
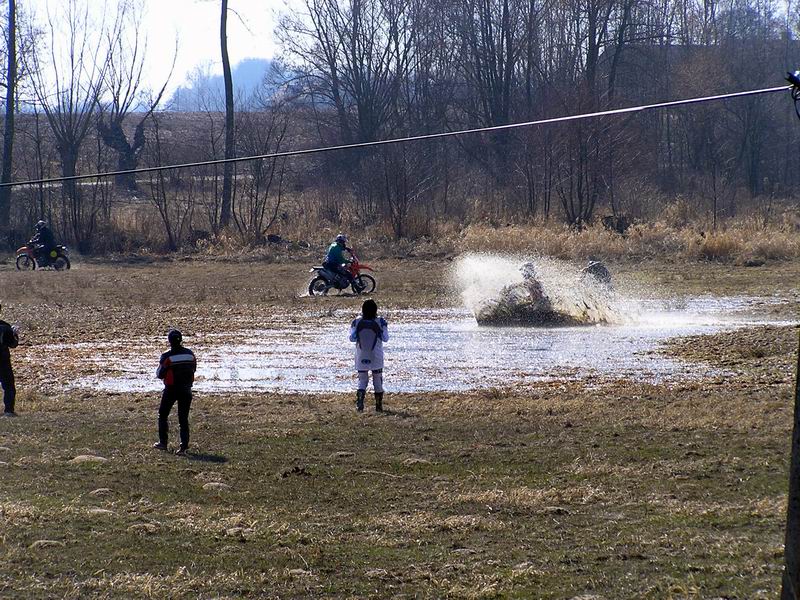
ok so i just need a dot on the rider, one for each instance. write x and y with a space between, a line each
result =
531 281
598 271
336 262
44 240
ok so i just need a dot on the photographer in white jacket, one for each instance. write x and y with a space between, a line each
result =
369 332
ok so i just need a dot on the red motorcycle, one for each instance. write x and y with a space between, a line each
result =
326 280
29 260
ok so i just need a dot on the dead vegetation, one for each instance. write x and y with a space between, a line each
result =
741 242
616 489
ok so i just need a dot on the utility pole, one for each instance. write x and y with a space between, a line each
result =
790 589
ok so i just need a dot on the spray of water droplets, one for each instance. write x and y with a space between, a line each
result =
490 284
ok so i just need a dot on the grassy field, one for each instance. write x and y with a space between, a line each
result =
599 489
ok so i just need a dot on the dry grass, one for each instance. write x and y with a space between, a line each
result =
682 231
504 499
618 489
739 242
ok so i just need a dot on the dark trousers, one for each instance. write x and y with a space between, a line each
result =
43 253
340 270
7 383
171 395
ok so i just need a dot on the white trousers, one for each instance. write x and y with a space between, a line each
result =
377 380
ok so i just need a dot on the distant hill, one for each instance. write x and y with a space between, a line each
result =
207 92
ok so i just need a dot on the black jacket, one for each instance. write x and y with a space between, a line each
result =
8 339
45 237
177 367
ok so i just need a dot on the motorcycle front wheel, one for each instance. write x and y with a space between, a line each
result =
25 263
367 283
61 263
318 287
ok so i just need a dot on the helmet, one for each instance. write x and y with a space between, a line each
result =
528 270
175 337
341 239
40 225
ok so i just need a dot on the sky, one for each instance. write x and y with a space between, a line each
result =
196 25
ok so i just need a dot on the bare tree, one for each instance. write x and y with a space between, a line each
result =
227 177
263 131
8 131
165 187
355 55
124 88
67 82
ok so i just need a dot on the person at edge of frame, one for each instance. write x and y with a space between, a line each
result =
369 332
176 368
9 338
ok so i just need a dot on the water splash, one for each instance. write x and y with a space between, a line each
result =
493 288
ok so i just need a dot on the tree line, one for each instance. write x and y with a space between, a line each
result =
354 71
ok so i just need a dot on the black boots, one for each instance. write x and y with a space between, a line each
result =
361 394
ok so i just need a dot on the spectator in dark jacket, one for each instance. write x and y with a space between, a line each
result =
9 338
176 368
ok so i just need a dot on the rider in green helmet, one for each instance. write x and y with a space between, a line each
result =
336 261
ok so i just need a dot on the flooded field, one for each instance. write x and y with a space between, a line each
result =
642 457
437 350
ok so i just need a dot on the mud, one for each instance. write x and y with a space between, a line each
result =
433 350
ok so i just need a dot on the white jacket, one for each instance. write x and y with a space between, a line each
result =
369 336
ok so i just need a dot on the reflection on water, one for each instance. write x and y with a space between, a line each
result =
444 350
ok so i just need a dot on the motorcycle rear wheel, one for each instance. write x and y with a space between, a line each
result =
25 263
318 287
367 283
61 263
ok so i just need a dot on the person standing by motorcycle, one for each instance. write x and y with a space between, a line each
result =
335 261
369 332
9 338
44 240
176 367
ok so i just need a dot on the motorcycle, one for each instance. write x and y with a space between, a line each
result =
325 279
27 259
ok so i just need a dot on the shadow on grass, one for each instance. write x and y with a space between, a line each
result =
205 457
402 414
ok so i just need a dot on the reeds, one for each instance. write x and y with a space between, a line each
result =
680 232
737 241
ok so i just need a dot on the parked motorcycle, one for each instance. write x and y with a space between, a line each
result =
27 259
326 280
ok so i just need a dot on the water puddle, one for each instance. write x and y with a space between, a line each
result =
436 350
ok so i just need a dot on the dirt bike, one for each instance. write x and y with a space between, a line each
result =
27 259
326 280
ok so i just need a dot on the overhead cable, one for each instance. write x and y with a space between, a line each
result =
414 138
